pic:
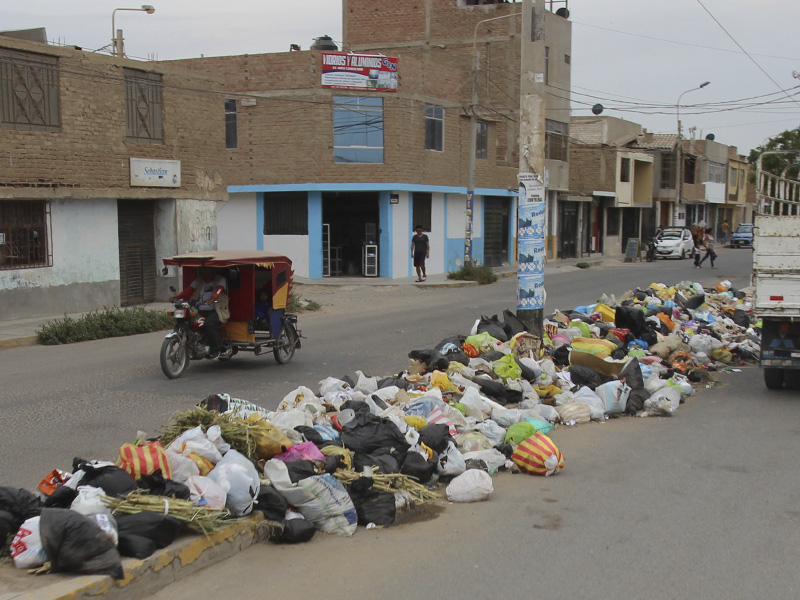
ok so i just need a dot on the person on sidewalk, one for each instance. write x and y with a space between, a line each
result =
205 290
724 228
420 250
708 243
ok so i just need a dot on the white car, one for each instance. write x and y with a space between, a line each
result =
674 242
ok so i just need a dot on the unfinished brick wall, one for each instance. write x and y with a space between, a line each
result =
88 156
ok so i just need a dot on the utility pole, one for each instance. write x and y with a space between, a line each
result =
532 226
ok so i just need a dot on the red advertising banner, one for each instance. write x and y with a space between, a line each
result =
371 72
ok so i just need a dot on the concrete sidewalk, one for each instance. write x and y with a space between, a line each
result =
22 332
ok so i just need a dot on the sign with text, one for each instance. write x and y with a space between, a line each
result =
531 254
147 172
368 72
531 294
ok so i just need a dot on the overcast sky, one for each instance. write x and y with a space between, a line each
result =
635 57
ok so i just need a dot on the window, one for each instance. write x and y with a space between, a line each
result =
625 170
482 140
546 65
231 135
612 221
143 99
555 140
422 210
357 129
434 127
24 234
29 91
734 172
689 164
286 213
716 172
667 172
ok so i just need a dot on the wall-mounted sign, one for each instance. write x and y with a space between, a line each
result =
394 198
359 72
146 172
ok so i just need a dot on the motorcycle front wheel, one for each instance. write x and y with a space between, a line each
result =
174 357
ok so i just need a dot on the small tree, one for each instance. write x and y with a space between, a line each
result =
776 163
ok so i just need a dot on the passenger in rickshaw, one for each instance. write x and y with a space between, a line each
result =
263 304
205 290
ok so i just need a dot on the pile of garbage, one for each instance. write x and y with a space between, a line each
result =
357 451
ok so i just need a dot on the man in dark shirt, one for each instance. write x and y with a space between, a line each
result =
420 250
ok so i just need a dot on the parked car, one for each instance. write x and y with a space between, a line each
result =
674 242
743 236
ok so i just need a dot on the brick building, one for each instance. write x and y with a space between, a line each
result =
109 164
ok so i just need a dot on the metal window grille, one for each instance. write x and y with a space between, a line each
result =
231 133
29 91
482 140
143 97
25 234
286 213
555 141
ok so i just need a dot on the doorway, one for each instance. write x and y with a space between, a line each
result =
137 252
630 226
496 214
568 234
352 219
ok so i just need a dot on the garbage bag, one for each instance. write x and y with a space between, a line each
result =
76 544
27 549
143 533
507 368
236 472
519 432
614 395
497 391
579 412
512 325
417 466
631 374
451 461
271 504
366 433
390 381
492 430
300 469
113 480
630 317
373 506
88 501
7 524
436 436
206 492
693 302
493 327
431 359
21 504
156 485
295 531
380 458
636 401
62 497
582 375
538 455
741 318
473 485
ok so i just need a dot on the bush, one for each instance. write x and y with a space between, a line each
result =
583 265
298 305
96 325
472 271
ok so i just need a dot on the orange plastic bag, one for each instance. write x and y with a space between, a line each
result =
52 481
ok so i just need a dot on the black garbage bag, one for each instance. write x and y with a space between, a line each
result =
8 525
76 544
561 355
693 302
648 334
61 497
271 504
396 381
367 433
497 391
631 374
436 436
348 380
300 469
741 318
528 374
415 465
358 407
493 327
156 485
311 435
217 402
512 325
629 317
143 533
374 506
585 376
619 354
332 463
20 503
381 458
455 340
450 348
432 359
113 480
294 531
636 401
492 355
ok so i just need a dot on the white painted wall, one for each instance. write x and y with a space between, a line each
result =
236 222
435 264
196 223
293 246
84 243
401 236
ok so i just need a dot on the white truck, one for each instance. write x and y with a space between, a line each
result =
776 277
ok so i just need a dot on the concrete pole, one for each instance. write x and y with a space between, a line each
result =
679 166
532 116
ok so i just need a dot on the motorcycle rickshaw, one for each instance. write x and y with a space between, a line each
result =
248 273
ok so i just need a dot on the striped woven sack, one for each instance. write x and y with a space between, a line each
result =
538 455
143 459
438 416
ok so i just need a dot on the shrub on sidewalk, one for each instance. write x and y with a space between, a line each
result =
474 272
111 322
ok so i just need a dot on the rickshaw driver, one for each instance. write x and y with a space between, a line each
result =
206 289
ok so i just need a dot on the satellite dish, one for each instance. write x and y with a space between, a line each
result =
710 137
597 109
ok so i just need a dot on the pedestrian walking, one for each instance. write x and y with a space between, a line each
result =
724 228
420 250
708 243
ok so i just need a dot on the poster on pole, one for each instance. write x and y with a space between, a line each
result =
531 230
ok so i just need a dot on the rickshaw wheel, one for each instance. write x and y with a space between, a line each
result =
174 357
287 341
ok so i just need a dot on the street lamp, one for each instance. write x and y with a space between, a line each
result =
679 181
116 35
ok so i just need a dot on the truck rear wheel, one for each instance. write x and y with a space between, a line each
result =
792 378
773 378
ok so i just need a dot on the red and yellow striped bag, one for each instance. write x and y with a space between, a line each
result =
538 455
143 459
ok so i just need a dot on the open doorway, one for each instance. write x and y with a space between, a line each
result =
352 218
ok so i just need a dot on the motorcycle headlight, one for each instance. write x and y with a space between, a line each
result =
179 313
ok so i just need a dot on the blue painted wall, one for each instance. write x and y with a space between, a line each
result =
315 235
385 238
260 221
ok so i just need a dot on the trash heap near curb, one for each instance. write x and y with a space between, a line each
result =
355 452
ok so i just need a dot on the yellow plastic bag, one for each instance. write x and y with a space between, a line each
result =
442 381
334 450
268 439
606 312
416 421
601 348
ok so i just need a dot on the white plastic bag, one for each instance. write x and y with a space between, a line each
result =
88 501
291 418
493 431
473 485
664 402
297 397
474 404
614 395
182 467
195 441
366 385
27 549
493 458
597 409
451 461
214 435
243 484
331 385
206 492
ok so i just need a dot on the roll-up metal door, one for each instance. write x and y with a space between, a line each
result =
495 230
137 252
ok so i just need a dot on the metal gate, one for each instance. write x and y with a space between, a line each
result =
495 231
568 234
137 252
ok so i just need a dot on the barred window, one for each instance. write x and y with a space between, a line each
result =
434 127
667 172
24 234
286 213
482 140
143 97
231 133
555 140
29 91
625 170
422 209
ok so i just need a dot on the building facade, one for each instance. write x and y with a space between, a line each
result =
109 165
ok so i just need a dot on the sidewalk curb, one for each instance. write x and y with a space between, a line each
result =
184 557
30 340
